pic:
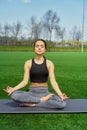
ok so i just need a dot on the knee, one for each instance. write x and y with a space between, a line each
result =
59 103
14 95
62 104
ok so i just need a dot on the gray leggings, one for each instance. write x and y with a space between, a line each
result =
33 96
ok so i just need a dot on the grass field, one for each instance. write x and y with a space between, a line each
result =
71 74
51 49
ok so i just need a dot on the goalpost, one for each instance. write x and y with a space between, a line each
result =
82 45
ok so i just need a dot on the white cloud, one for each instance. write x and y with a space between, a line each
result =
27 1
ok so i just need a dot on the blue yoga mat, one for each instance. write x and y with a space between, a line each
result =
73 106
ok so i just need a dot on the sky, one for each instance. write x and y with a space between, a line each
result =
69 11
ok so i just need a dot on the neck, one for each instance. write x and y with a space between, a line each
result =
39 57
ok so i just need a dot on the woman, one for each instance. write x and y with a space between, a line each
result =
37 71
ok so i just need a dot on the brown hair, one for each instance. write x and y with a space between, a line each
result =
42 41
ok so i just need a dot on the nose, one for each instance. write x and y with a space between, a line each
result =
39 47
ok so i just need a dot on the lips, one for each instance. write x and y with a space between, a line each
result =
39 50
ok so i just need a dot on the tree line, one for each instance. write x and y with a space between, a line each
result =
47 27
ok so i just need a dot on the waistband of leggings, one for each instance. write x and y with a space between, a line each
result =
38 88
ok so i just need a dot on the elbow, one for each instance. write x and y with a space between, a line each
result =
25 82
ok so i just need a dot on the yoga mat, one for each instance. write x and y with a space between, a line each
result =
73 106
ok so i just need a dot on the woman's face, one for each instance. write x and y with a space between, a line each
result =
39 47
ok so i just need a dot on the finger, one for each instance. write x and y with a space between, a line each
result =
8 87
5 90
51 95
66 98
64 94
9 94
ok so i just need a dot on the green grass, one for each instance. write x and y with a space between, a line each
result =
16 48
51 49
71 75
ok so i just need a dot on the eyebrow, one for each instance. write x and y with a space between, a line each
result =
39 45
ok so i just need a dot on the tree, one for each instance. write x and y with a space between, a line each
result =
36 29
6 33
76 35
1 35
16 30
32 22
0 30
50 21
60 33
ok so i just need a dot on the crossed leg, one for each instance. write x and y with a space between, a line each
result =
43 99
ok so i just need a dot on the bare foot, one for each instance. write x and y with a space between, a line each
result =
27 105
43 99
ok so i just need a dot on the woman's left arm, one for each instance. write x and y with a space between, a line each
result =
54 82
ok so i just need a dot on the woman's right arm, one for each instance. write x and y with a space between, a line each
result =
24 82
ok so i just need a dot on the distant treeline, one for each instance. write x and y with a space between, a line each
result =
48 28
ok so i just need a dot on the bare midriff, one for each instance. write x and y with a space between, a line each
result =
38 84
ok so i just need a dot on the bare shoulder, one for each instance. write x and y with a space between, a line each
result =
49 63
28 63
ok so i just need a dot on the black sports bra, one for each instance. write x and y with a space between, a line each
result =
39 72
